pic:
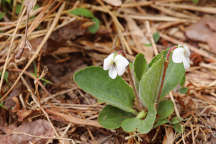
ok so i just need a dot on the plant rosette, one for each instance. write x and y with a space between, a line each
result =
152 82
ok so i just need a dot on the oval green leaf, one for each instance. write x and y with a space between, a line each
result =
150 83
111 117
94 28
139 125
82 12
161 122
165 109
140 66
116 92
148 90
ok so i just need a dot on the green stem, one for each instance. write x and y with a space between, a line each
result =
141 115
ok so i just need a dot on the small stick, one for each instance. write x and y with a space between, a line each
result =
151 37
55 21
175 107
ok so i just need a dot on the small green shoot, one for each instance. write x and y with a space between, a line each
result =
195 1
5 76
18 8
88 14
2 15
148 45
156 37
45 81
183 90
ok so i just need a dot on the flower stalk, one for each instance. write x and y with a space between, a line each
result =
164 74
137 103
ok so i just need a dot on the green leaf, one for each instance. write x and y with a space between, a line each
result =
131 124
94 28
174 75
156 37
157 57
142 126
148 90
46 81
111 117
5 75
36 7
88 14
182 81
148 45
178 128
165 109
2 15
161 122
150 83
195 1
116 92
176 120
8 1
18 8
140 66
35 69
183 90
82 12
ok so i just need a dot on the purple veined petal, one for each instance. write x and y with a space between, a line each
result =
178 55
186 63
113 72
108 62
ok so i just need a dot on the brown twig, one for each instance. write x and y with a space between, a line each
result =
8 58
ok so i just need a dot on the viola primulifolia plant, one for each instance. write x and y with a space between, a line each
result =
152 82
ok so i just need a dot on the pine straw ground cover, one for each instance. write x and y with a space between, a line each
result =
42 48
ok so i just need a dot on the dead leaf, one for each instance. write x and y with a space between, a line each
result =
70 31
211 22
20 135
140 39
169 137
11 102
204 31
22 114
114 2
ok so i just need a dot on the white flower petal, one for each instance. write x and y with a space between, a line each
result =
113 72
178 55
120 68
122 60
108 62
121 64
186 63
187 50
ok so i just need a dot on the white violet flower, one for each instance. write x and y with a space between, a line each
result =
116 64
182 55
